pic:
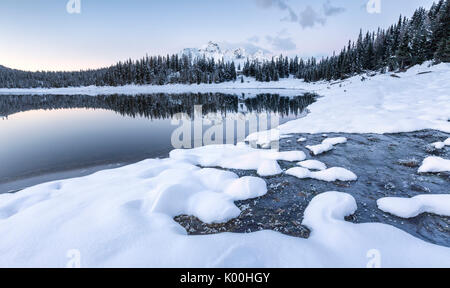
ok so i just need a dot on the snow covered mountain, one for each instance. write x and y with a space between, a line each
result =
238 55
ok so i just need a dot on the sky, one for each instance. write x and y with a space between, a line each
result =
43 35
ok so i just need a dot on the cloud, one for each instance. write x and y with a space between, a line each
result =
280 4
331 10
281 43
309 18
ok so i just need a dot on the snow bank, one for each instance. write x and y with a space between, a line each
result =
328 175
239 156
312 165
434 165
380 104
124 218
412 207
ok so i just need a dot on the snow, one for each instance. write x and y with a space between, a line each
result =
300 140
320 149
328 175
381 104
438 145
335 141
240 156
412 207
237 55
269 168
124 218
434 164
441 145
313 165
250 87
327 145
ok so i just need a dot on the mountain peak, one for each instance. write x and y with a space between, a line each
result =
213 50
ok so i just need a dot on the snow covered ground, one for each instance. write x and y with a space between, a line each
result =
286 87
381 104
124 218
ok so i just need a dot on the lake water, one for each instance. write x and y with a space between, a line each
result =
44 138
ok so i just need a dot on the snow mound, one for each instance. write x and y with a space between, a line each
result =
447 142
264 138
328 175
269 168
434 165
335 141
438 145
239 156
312 165
327 145
301 140
320 149
412 207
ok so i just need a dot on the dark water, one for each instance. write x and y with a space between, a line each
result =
44 138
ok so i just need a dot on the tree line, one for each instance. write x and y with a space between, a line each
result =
424 37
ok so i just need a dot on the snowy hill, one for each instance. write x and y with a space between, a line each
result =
213 51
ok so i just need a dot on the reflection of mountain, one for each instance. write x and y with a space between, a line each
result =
159 106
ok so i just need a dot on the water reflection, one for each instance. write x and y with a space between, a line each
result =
160 106
41 135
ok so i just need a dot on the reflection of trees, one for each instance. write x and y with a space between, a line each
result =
278 104
157 106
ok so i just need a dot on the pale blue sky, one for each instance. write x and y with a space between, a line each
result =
40 34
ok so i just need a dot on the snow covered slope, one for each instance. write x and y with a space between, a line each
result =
419 99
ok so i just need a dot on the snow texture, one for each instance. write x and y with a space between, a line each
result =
328 175
124 218
434 164
412 207
239 156
380 104
320 148
441 145
335 141
312 165
438 145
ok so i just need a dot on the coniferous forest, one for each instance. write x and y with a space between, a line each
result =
423 37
